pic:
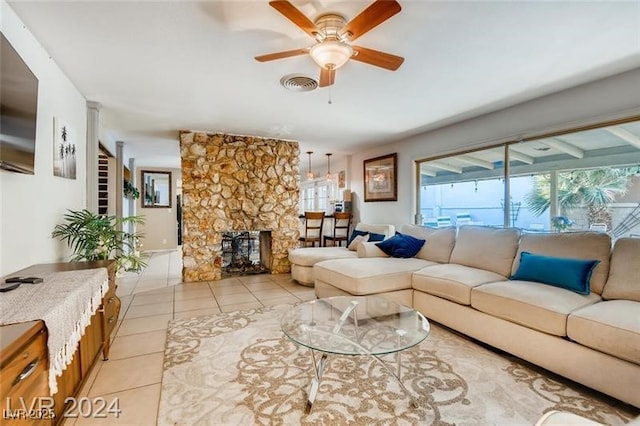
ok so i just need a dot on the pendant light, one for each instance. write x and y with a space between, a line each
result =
329 177
309 172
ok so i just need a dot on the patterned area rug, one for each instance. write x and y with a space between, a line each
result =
238 369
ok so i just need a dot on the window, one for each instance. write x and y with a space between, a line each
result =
584 180
317 195
463 189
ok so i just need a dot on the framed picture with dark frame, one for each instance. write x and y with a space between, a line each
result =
380 180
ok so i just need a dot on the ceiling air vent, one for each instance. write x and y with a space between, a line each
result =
298 83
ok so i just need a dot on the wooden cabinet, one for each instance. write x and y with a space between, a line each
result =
78 370
23 346
23 368
110 311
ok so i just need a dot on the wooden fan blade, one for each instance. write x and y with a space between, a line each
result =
327 77
374 15
280 55
377 58
295 16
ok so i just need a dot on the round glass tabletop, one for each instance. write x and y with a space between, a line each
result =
355 325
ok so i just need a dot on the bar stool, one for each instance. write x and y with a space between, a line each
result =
341 225
312 228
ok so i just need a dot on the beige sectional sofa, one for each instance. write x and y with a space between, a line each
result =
302 259
462 280
563 418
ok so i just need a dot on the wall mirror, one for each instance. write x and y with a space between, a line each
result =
156 189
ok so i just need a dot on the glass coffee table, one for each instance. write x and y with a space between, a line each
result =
355 326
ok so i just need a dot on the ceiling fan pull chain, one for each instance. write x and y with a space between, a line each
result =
330 95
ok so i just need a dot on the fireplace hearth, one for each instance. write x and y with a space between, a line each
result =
245 252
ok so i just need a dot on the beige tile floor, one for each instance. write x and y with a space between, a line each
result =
133 372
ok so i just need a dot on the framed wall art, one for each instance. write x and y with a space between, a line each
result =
380 180
64 150
341 179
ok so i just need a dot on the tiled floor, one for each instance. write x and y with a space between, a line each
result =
134 370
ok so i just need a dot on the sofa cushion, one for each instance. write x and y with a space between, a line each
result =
309 256
370 250
379 231
452 282
369 275
577 245
401 245
384 229
438 242
353 245
612 327
538 306
491 249
624 273
372 236
563 272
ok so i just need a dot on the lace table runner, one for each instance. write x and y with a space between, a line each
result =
65 301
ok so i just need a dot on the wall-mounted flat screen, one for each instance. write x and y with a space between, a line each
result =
18 108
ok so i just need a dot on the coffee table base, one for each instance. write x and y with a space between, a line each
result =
320 365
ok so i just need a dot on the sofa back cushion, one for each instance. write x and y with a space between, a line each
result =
576 245
387 230
438 242
491 249
624 272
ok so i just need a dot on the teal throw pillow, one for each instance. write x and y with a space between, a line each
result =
569 273
401 245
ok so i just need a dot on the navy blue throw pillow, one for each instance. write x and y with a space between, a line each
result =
401 245
376 237
571 274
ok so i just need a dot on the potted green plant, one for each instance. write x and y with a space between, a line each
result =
130 191
97 237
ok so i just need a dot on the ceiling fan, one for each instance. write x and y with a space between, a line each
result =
333 35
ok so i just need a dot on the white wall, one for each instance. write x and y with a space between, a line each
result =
31 205
607 99
160 228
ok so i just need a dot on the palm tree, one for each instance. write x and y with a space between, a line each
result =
594 188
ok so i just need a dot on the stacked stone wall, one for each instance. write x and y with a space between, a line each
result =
236 183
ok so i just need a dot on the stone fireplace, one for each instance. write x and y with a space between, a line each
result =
233 184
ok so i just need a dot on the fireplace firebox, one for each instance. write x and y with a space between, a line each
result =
245 252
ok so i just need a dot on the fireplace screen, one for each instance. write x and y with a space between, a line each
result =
245 252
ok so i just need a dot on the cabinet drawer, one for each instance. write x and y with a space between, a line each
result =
25 374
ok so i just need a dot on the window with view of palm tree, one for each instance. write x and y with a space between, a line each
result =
593 189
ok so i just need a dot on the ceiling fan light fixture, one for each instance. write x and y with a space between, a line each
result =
331 54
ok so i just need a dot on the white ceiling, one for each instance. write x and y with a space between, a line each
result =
159 67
